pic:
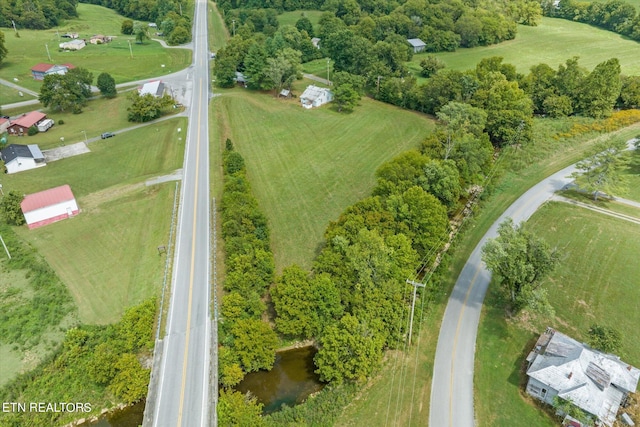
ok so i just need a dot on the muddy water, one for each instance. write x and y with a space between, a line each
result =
130 416
290 381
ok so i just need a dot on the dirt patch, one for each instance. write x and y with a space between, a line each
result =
91 202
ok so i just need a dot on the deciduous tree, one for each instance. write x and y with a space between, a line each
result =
10 208
255 344
601 172
107 85
605 338
3 48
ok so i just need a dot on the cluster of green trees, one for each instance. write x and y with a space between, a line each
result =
247 343
175 28
36 14
613 15
70 91
3 48
109 358
147 107
443 25
28 313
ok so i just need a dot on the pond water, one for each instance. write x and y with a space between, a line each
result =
290 382
130 416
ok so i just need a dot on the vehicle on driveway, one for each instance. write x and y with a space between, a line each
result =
107 135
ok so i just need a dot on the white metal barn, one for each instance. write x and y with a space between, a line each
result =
315 96
19 158
49 206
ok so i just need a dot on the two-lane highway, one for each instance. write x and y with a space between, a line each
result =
183 384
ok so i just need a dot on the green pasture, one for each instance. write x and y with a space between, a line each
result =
595 283
290 18
552 42
114 58
107 255
307 166
218 33
100 115
10 95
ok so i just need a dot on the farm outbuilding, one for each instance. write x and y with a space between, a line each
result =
49 206
596 382
314 96
18 158
417 45
154 88
75 44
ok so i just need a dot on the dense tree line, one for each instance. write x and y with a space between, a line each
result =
109 358
36 14
247 343
613 15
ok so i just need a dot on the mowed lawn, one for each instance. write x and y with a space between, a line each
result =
552 42
107 255
596 282
290 18
307 166
114 58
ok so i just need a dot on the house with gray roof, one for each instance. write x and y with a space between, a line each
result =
594 381
18 158
417 45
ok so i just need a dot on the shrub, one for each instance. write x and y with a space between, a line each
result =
60 122
32 131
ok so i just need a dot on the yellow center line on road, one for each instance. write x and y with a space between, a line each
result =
193 258
455 344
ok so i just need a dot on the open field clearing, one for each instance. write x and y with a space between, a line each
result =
9 95
552 42
290 18
113 58
595 283
307 166
107 255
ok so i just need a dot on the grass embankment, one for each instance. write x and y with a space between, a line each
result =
114 58
552 42
107 255
307 166
218 33
595 283
525 167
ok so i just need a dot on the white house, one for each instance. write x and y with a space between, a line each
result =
154 88
314 96
417 45
75 44
595 382
18 158
49 206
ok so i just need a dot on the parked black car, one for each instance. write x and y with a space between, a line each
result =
107 135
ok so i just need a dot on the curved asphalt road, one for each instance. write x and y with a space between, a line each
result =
452 385
183 386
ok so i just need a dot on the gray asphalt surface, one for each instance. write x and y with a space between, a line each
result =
452 386
183 387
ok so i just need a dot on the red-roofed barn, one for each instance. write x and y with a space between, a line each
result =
49 206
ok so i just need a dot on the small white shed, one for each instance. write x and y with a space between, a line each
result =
49 206
314 96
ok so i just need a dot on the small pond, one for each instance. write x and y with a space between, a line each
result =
290 382
131 416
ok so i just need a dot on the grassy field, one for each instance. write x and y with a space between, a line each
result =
113 58
107 255
290 18
307 166
552 42
100 115
218 33
595 283
9 95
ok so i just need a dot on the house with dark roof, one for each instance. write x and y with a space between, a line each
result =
21 125
49 206
39 71
18 158
417 45
598 383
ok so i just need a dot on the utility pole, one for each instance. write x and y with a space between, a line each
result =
413 305
5 247
234 26
328 62
130 51
48 55
180 4
85 136
14 26
378 84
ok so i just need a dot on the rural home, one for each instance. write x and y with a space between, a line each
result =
18 158
75 44
49 206
417 45
21 125
240 79
154 88
315 42
314 96
100 39
596 382
39 71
